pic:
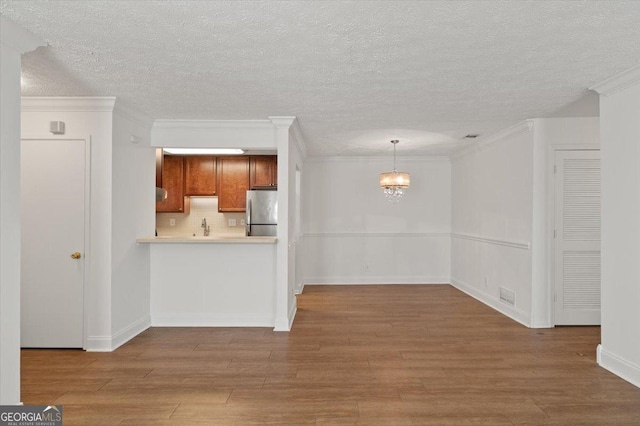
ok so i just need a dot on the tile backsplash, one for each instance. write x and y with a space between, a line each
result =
188 224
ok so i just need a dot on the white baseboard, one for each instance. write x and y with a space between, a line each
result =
382 280
618 366
541 324
111 343
130 331
286 323
210 320
292 312
510 311
300 289
98 344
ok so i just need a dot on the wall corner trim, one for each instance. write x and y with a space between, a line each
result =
618 82
618 366
508 133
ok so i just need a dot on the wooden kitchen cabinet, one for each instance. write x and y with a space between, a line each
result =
173 182
159 160
263 171
200 175
233 183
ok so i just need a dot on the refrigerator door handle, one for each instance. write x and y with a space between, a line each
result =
248 224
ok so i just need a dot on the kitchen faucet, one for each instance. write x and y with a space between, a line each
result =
205 226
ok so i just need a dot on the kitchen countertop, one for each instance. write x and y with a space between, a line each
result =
214 239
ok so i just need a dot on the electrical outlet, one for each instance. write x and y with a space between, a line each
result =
232 222
172 222
242 222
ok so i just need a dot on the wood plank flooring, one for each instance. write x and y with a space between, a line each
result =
369 355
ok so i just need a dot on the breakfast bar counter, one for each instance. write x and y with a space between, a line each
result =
216 281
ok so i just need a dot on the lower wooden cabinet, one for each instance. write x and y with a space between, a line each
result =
233 183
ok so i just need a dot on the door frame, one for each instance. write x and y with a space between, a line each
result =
551 218
87 218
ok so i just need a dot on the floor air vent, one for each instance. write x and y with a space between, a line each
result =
507 296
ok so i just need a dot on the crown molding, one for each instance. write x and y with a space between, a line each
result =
210 124
508 133
18 38
133 114
380 159
68 103
618 82
282 121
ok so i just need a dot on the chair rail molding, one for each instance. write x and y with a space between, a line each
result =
524 245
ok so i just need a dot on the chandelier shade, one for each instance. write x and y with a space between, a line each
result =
395 179
394 183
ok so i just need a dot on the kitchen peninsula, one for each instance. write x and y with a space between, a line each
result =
212 281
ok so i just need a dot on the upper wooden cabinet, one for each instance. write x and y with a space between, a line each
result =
173 182
200 175
263 171
159 158
233 183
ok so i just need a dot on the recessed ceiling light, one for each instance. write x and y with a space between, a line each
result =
203 151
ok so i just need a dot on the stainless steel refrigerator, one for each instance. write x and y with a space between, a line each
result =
262 213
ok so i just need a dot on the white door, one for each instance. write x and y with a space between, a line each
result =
577 238
52 266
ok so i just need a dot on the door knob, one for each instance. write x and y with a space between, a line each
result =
76 255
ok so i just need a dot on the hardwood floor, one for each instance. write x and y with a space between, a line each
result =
370 355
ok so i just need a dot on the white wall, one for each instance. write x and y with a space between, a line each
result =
132 215
352 234
14 41
492 196
620 127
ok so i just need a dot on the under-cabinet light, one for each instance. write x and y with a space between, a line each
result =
203 151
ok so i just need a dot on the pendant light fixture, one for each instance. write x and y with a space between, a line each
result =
394 183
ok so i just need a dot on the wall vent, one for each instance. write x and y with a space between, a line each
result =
507 296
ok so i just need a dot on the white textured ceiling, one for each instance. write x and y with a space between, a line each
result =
356 74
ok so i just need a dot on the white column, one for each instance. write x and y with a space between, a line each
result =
14 41
282 320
